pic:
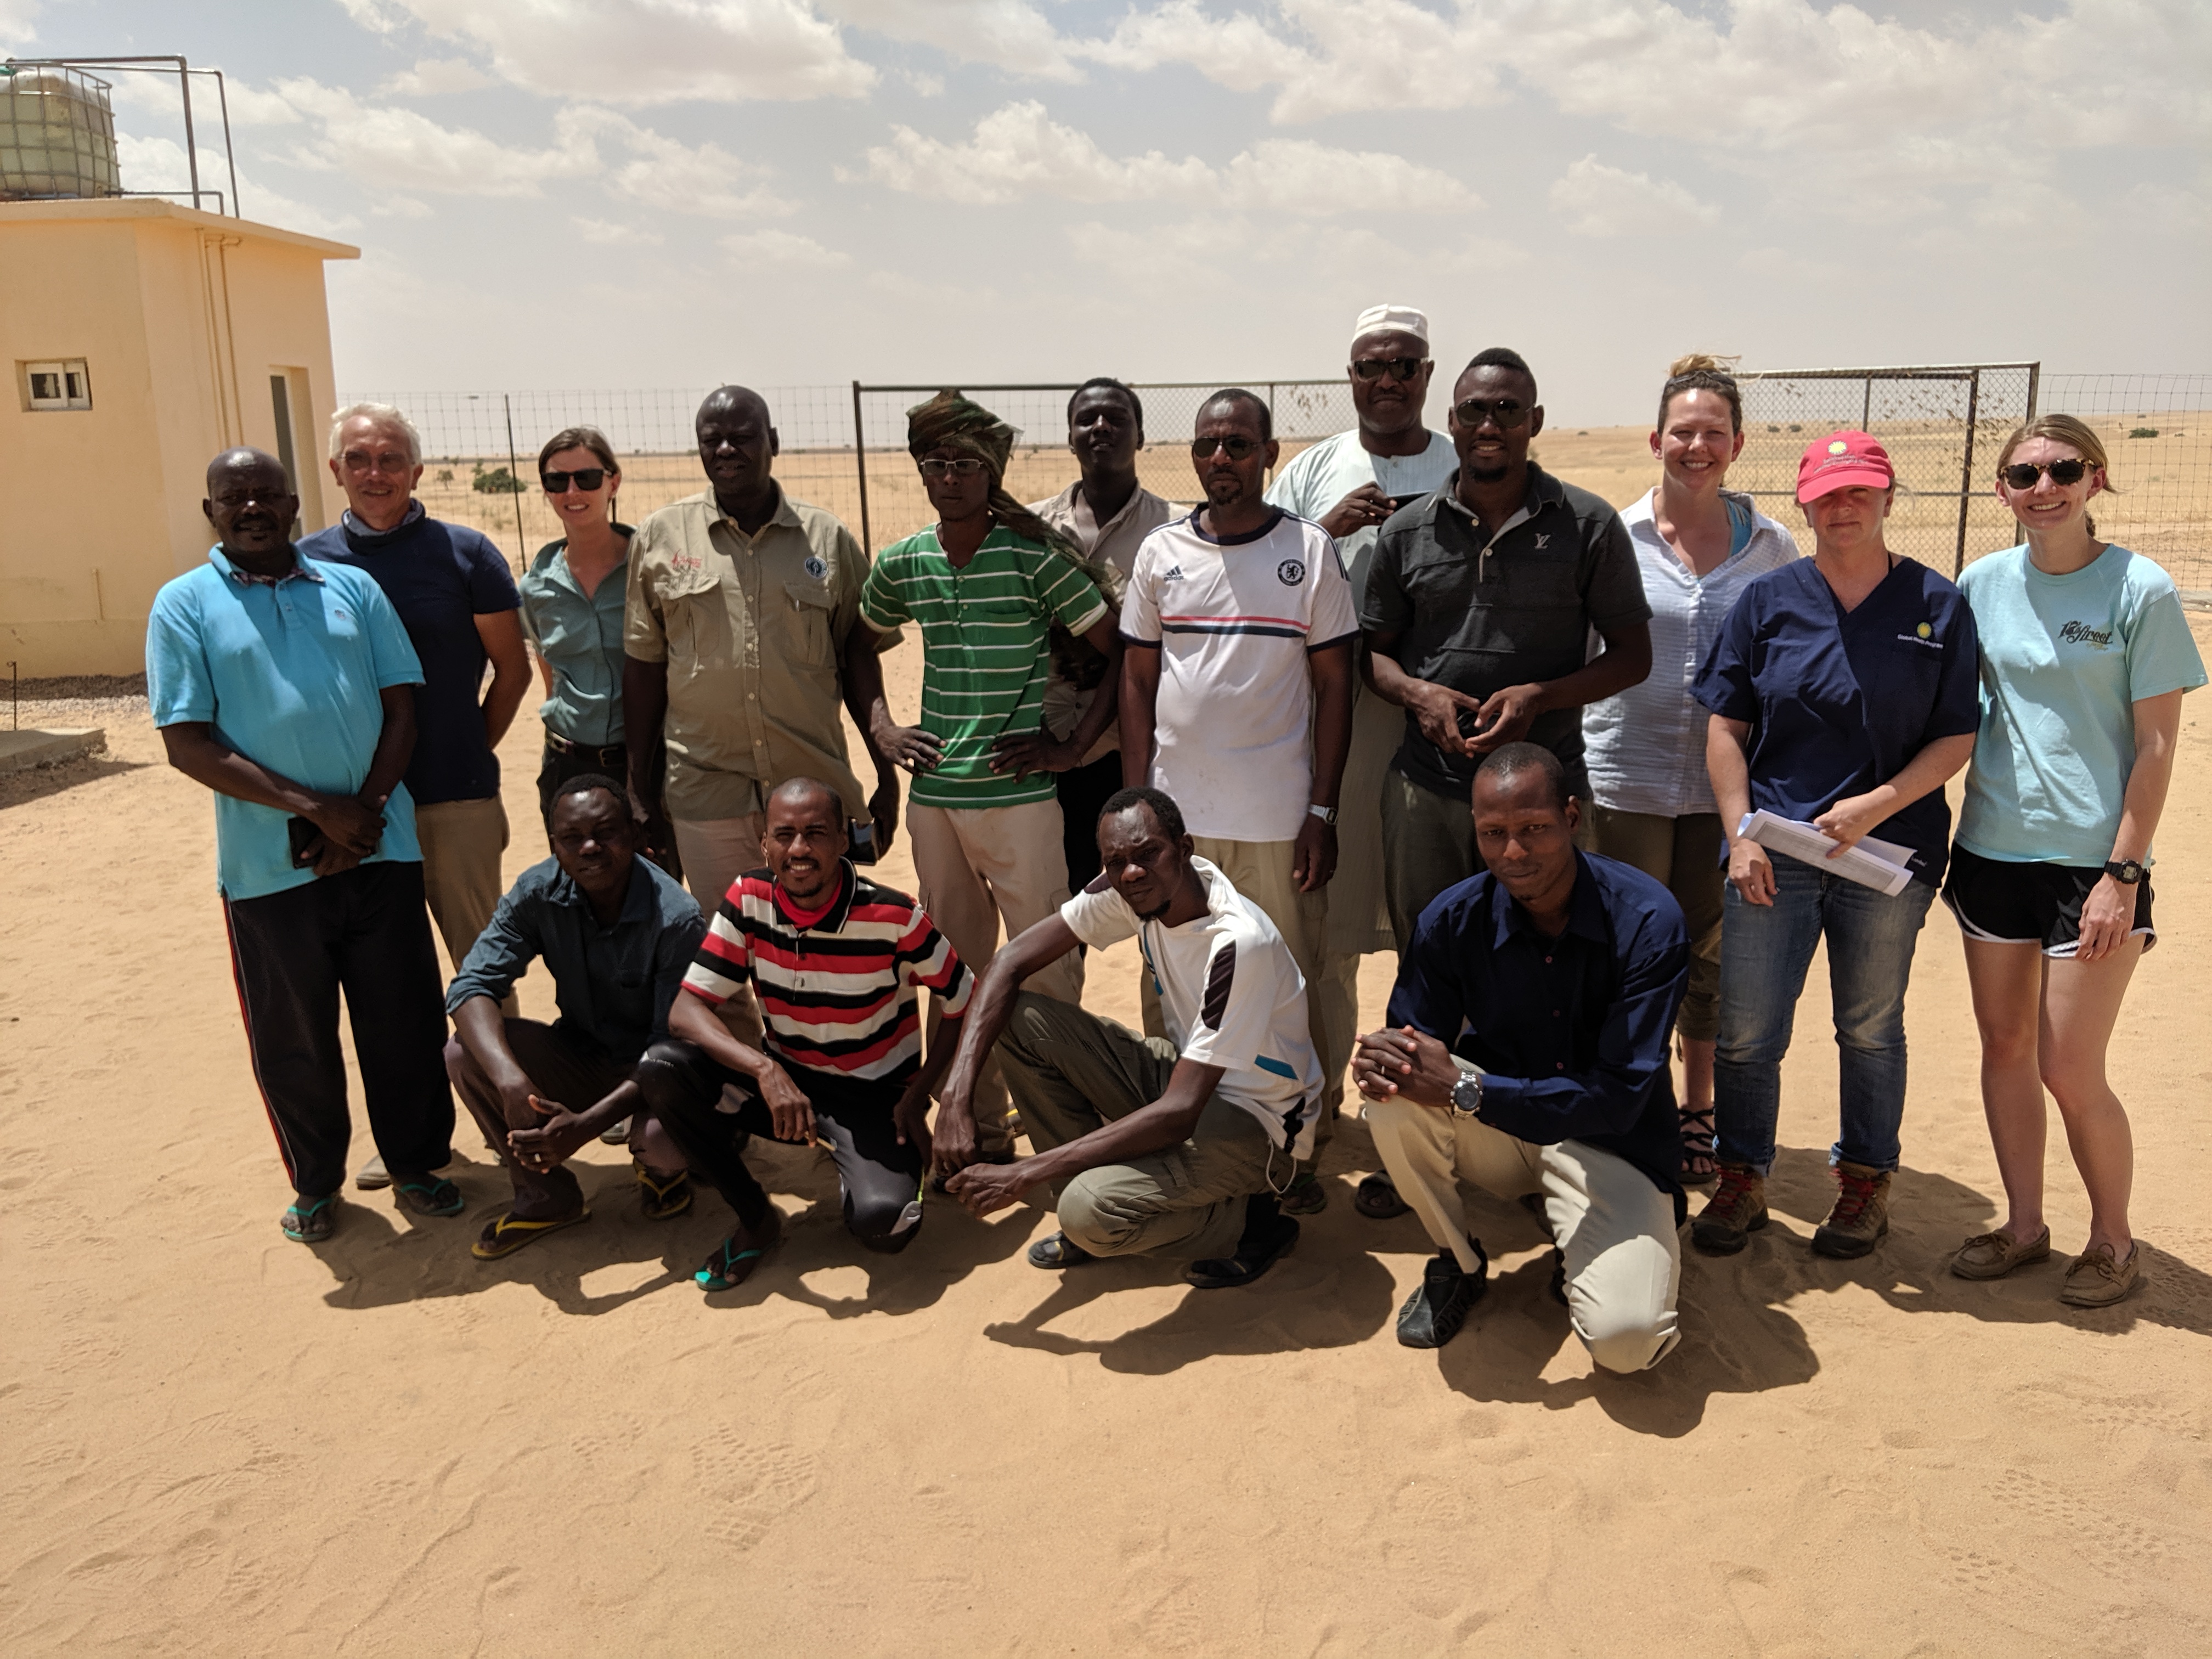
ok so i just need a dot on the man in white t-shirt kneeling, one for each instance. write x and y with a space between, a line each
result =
1151 1146
1237 687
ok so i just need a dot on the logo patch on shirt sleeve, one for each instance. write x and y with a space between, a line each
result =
1290 573
814 566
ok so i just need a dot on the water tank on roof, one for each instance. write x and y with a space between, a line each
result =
56 137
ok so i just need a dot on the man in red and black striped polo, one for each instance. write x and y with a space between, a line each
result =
835 961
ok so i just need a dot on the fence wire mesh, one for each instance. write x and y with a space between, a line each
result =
1943 425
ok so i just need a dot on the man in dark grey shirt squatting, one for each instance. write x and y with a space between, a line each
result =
1478 609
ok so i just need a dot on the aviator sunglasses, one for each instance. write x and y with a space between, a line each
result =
2022 474
584 477
1237 448
1473 411
1398 369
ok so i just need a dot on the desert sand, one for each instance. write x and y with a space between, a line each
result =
219 1442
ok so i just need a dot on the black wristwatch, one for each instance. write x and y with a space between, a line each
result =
2126 872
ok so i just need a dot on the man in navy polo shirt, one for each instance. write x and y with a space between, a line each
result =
454 593
1527 1054
287 687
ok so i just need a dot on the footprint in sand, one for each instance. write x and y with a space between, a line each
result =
746 1486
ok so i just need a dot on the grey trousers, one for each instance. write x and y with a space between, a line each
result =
1428 845
1071 1072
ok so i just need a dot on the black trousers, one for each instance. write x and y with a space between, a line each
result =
1083 791
365 932
556 768
881 1179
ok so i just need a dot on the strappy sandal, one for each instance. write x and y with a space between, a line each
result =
729 1267
432 1195
1376 1198
1058 1250
663 1200
1698 1134
504 1235
309 1221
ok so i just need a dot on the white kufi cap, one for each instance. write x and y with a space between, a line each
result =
1396 320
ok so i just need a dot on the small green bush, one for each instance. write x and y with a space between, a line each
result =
1794 427
497 481
2144 432
445 475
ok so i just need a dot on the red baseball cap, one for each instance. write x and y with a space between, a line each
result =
1849 460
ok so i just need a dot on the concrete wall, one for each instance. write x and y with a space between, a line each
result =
181 318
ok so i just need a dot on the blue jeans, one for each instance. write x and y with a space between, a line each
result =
1764 952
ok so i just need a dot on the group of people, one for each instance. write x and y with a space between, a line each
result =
1408 692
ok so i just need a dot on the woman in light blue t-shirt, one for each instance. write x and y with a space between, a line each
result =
2085 657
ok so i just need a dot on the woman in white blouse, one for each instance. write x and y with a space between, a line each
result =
1696 544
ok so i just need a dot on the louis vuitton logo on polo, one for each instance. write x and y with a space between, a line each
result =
1543 541
2080 633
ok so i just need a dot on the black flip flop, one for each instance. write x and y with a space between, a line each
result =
1058 1250
1268 1235
1376 1198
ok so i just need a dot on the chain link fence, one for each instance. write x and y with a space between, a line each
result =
1943 424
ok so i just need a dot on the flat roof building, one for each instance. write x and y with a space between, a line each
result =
143 338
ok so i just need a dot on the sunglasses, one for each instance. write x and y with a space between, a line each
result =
2022 474
1397 368
966 467
1236 448
584 477
1471 412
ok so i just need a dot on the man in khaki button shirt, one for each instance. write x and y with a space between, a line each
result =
740 638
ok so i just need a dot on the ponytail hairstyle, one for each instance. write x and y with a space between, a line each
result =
2077 435
584 437
1700 372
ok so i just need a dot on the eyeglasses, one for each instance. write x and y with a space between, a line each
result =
2022 474
1471 412
1398 369
392 462
1236 448
584 477
966 467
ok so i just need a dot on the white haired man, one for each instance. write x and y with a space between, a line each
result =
456 598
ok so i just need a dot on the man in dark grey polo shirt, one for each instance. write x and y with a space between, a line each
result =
1478 614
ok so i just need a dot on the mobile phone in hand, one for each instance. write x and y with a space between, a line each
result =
303 835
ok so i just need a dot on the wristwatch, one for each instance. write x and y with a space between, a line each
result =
1466 1095
1325 814
2126 872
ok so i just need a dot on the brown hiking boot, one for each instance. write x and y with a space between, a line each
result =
1860 1216
1736 1210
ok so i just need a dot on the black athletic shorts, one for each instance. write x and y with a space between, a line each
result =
2007 903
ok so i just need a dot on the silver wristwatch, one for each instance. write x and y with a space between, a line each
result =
1466 1095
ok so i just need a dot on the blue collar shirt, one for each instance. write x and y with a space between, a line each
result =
1571 1032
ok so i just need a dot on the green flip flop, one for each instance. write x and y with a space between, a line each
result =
432 1195
309 1221
728 1268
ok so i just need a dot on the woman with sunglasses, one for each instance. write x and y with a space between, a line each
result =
1698 545
2085 659
572 610
1841 696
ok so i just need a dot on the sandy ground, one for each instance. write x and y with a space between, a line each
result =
218 1442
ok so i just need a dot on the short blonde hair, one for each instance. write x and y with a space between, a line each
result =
382 415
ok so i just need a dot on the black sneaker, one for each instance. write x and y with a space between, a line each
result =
1441 1301
1268 1235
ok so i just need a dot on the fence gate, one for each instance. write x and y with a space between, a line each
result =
1941 424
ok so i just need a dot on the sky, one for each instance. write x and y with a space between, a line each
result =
617 194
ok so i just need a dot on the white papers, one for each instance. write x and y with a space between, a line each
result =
1880 864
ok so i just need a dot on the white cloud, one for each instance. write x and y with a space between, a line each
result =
403 207
1596 200
158 164
929 86
679 177
644 52
1019 151
1008 35
783 247
432 76
602 233
17 26
396 150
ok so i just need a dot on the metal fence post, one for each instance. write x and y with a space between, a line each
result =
514 486
2034 386
1966 469
860 468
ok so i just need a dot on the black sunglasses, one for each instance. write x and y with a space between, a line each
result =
1398 369
1471 412
2022 474
585 477
1237 448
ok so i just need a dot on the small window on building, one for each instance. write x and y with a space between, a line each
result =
54 386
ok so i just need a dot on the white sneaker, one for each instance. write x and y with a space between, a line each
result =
372 1175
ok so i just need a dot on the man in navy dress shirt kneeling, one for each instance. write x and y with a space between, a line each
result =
1527 1054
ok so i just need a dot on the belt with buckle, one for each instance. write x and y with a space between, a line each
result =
561 745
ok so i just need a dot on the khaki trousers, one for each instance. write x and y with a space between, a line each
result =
462 841
1624 1260
1071 1073
1260 872
1684 854
714 853
977 866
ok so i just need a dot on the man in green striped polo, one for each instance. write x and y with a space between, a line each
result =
990 585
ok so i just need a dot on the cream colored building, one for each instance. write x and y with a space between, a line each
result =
142 339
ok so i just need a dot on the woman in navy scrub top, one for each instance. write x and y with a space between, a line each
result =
1843 693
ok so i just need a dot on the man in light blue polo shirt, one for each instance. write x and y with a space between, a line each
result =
285 686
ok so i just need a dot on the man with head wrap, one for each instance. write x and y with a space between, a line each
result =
991 586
